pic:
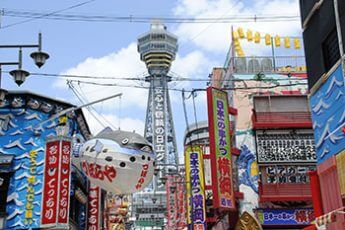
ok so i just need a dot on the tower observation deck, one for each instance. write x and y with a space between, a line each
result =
157 49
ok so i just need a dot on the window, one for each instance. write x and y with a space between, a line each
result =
5 178
330 49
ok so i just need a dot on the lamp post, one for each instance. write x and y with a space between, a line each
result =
19 75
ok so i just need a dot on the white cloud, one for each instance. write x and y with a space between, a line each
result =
216 37
113 121
122 64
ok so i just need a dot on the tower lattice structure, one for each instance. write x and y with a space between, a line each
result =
157 49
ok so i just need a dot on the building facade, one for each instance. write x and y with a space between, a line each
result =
29 147
324 32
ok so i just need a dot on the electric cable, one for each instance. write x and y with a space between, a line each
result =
44 15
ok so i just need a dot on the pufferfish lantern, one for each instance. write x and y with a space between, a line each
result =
119 162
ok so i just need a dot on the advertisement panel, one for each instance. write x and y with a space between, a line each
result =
328 115
285 146
51 184
64 190
93 214
195 187
220 146
301 216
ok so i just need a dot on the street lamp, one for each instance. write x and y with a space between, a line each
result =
19 75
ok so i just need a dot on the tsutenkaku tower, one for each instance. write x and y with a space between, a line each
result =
157 49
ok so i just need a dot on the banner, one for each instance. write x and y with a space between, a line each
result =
65 181
94 198
51 184
195 187
220 146
303 216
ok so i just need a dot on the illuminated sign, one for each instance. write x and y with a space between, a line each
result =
195 186
94 199
51 184
220 146
283 146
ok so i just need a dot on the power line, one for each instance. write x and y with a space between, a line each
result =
177 78
144 19
41 16
192 90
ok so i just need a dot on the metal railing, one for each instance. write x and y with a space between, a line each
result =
269 64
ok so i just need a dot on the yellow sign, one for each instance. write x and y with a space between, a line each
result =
340 158
195 184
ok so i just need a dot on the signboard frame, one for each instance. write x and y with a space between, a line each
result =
220 149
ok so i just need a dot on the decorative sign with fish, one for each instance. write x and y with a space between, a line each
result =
117 161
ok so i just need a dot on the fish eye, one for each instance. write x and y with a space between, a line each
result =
108 158
132 159
125 141
122 164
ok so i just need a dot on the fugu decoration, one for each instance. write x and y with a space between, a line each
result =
118 161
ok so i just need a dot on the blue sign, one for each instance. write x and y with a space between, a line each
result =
328 114
301 216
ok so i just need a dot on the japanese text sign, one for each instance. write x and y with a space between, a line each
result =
93 217
64 190
302 216
195 186
51 183
220 146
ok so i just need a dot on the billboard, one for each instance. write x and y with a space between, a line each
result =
220 146
195 187
301 216
328 114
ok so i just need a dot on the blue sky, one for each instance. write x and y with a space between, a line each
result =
109 49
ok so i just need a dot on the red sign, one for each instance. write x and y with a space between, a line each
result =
64 190
97 171
51 183
220 149
93 207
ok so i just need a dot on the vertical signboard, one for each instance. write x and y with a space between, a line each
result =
195 187
93 207
170 201
51 183
340 158
159 133
64 190
180 204
221 164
